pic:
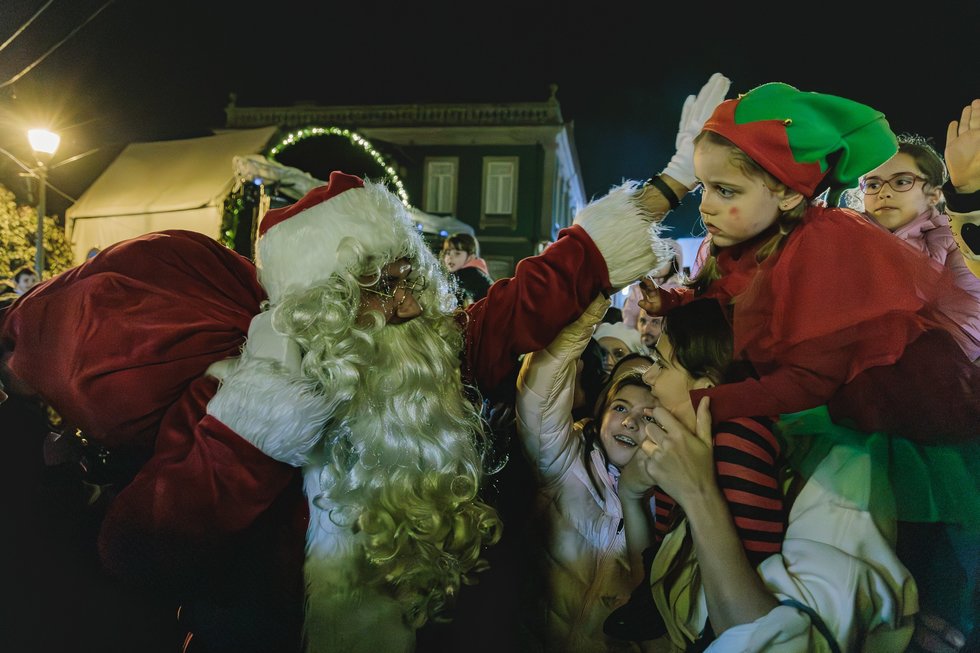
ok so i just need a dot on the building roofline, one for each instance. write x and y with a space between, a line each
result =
400 115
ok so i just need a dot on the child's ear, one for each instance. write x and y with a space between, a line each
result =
703 382
934 196
790 200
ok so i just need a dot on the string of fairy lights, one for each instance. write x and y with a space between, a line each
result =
294 137
235 203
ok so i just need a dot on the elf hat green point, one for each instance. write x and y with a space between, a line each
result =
806 140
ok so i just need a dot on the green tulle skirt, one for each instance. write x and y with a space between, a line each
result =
906 481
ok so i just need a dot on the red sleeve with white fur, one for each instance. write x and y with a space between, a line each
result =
525 312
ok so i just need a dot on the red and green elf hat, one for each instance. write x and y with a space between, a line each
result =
804 138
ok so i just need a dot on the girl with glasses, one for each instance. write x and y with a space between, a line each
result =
904 196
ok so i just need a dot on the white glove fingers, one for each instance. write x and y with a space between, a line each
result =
711 96
686 111
696 111
683 131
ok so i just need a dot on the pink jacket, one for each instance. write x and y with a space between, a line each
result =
477 263
930 233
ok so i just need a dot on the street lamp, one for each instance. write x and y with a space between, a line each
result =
45 144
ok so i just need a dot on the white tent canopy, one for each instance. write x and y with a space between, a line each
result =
178 184
440 225
294 183
182 184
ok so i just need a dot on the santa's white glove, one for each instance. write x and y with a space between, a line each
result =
697 110
264 397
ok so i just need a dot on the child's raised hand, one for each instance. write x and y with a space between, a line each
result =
681 461
649 296
963 149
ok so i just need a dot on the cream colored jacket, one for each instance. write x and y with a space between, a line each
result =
835 561
586 561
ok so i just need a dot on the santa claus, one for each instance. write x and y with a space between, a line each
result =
311 422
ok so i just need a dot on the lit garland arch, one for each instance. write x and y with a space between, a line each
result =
294 137
237 202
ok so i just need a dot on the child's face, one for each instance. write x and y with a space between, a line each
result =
623 423
734 206
612 350
671 384
25 282
454 258
903 198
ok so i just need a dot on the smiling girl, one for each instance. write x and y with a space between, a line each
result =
577 464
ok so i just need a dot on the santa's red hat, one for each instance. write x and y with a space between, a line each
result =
329 230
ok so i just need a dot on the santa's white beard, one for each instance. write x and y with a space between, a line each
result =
395 523
407 411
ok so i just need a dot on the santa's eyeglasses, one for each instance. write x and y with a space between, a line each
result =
414 284
900 183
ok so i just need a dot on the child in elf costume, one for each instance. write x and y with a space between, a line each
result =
849 329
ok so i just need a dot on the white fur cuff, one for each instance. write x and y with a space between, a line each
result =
278 412
628 237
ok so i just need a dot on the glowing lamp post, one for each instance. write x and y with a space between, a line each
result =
44 144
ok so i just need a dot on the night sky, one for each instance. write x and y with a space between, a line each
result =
145 71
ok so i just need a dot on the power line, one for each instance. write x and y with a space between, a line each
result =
33 173
25 25
74 158
55 46
17 161
62 193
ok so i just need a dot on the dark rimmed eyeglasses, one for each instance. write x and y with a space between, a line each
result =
900 183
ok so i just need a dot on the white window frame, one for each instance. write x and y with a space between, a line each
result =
439 185
499 205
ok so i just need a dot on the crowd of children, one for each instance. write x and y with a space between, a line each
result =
777 453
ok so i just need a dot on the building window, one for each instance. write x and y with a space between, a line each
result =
440 185
500 267
499 192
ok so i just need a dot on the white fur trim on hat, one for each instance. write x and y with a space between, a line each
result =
630 337
310 246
